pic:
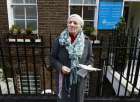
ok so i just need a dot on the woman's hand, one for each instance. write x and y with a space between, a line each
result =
65 70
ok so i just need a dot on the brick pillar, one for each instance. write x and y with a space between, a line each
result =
3 16
52 17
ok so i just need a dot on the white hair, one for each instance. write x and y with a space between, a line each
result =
78 17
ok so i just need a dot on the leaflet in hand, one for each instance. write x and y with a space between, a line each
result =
82 73
89 67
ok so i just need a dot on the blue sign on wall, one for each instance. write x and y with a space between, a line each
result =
109 14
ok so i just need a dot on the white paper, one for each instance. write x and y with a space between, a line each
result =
89 67
82 73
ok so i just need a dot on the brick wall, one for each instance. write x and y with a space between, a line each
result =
3 16
52 17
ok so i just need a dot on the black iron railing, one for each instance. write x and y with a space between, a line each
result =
26 71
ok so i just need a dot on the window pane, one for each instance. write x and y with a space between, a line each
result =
76 9
32 24
30 1
30 79
17 1
76 1
20 23
89 1
88 23
31 12
18 12
88 12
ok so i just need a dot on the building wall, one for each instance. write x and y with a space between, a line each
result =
137 15
52 17
3 16
133 16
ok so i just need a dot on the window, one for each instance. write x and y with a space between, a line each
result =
23 13
30 83
87 9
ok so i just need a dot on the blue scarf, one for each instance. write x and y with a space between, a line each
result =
75 51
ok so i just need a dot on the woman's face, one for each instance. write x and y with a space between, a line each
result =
73 26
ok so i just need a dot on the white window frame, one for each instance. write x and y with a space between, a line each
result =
96 5
11 16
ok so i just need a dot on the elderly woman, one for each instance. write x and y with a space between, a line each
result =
69 50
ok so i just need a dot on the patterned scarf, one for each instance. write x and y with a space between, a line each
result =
75 51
